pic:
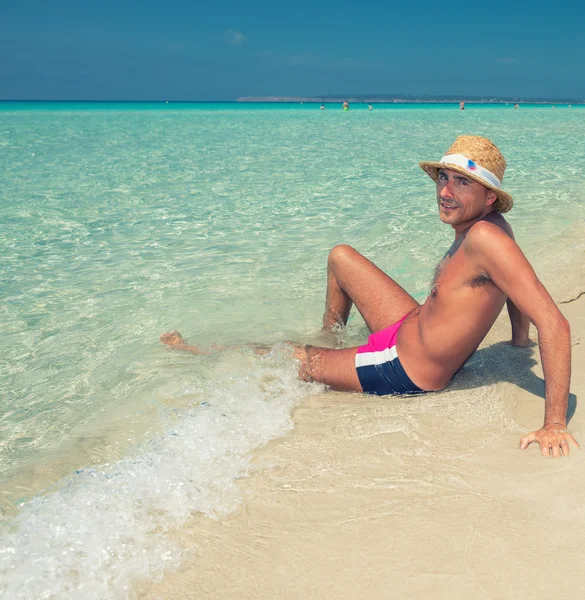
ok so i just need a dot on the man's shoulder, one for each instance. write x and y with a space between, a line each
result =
492 227
487 235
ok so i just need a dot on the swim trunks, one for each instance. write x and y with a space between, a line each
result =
378 367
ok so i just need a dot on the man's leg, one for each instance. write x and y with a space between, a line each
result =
175 339
353 279
335 368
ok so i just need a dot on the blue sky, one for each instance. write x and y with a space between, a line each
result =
179 50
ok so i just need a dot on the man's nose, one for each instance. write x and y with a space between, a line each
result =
445 192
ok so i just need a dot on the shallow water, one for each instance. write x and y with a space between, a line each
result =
121 222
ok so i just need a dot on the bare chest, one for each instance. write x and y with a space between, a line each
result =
457 275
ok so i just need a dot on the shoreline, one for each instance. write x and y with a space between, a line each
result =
429 497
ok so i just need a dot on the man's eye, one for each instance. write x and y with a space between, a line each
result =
463 182
442 176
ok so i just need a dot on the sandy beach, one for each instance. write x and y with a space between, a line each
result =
427 496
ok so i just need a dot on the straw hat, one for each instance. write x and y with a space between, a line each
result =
479 159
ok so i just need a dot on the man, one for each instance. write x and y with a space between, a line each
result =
417 348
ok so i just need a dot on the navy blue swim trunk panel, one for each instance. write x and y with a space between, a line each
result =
386 378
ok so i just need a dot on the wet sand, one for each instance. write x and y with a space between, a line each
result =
427 496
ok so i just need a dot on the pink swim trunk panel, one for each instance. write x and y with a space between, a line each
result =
378 367
381 340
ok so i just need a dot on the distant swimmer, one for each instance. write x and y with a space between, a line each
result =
462 105
516 106
322 107
416 348
370 107
345 105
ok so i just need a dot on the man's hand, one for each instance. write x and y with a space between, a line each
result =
553 439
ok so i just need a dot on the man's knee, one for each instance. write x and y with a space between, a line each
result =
341 253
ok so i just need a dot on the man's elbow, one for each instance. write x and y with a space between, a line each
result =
554 322
562 326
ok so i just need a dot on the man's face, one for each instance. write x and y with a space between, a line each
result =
461 199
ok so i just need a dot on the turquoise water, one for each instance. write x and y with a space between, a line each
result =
121 221
6 105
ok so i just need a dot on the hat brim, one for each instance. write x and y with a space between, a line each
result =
504 202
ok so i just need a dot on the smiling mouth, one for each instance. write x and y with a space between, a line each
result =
447 206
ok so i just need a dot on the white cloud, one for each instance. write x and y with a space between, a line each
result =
234 37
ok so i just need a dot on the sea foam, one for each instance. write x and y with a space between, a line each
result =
105 527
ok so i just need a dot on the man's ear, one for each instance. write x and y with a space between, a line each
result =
491 198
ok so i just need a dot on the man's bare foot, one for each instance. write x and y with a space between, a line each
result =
175 339
172 338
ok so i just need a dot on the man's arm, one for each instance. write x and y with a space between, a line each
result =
520 325
501 258
520 322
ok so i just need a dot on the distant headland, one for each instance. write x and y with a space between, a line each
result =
407 98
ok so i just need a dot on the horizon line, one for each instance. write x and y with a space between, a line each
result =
324 99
